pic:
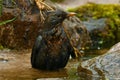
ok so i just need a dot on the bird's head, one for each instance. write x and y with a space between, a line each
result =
57 16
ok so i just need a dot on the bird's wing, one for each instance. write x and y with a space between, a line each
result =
35 49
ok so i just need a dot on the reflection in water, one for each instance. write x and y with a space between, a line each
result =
15 65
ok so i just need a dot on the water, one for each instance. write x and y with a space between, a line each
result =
15 65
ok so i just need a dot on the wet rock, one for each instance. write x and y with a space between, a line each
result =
92 24
22 32
103 67
99 33
77 32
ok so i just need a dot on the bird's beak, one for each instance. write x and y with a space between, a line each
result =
71 14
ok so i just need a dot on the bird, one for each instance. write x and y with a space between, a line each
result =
52 48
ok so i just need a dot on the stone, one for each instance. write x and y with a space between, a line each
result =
21 33
104 67
77 32
98 31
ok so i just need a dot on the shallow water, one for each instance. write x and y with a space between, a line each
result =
15 65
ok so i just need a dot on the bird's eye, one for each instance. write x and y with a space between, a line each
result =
58 16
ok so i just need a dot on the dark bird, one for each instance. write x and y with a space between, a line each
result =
52 47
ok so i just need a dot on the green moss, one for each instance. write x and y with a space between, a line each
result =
96 11
1 47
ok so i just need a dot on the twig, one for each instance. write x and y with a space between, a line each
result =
46 5
39 2
42 15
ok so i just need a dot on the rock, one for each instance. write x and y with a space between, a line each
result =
77 32
104 67
92 24
21 33
99 33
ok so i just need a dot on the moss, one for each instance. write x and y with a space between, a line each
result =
1 47
96 11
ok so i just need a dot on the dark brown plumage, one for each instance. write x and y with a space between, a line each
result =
52 47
